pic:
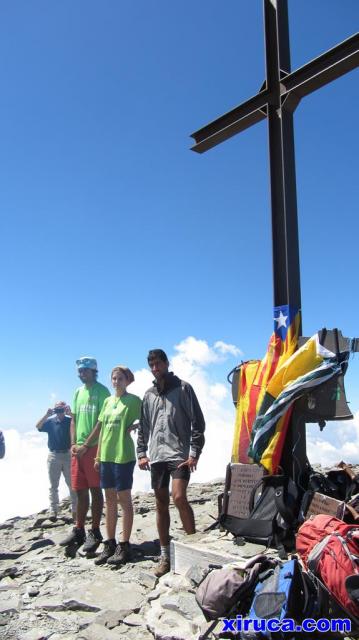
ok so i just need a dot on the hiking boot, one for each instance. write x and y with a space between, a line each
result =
53 516
76 537
164 567
109 548
122 554
93 541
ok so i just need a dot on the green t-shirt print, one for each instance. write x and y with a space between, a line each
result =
116 444
86 408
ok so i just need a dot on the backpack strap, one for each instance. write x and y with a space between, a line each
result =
279 496
316 554
304 585
317 551
286 513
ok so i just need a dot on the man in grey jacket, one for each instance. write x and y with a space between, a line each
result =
172 423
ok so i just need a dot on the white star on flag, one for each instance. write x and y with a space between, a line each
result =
282 320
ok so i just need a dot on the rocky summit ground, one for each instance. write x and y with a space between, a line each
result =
44 594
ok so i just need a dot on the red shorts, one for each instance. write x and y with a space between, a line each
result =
83 474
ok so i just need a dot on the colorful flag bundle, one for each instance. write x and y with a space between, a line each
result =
254 377
306 369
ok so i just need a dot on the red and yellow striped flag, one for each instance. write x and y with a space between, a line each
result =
254 377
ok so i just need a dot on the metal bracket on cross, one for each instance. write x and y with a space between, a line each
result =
328 401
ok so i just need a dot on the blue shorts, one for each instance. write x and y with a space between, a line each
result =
114 475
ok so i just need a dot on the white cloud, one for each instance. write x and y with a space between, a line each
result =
338 441
143 380
23 474
227 349
194 352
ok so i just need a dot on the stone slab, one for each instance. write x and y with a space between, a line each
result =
105 590
9 602
213 548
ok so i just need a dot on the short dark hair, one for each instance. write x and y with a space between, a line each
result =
157 353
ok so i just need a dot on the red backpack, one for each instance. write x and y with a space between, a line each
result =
330 549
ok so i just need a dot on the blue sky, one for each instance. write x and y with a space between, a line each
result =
118 238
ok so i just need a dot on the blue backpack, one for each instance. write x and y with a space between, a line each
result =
283 592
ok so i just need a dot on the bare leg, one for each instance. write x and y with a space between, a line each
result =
111 512
83 503
96 506
163 515
179 495
125 500
66 470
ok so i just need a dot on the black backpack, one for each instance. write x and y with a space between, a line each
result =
273 510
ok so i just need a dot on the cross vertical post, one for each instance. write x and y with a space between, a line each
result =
285 244
285 241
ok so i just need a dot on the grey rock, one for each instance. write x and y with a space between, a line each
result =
6 525
40 544
171 626
183 603
64 636
134 633
249 549
36 634
141 510
23 538
72 619
51 524
98 632
107 589
174 614
9 602
10 555
4 620
134 620
8 583
154 595
112 618
10 572
175 582
32 591
147 579
76 605
22 549
38 522
50 602
195 574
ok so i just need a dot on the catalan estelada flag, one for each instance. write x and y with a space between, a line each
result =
308 367
254 377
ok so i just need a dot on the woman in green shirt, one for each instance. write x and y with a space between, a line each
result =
115 460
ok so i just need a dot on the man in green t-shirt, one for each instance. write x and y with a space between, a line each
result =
87 404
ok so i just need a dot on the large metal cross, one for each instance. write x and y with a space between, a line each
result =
277 100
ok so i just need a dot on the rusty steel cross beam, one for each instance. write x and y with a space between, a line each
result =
292 88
